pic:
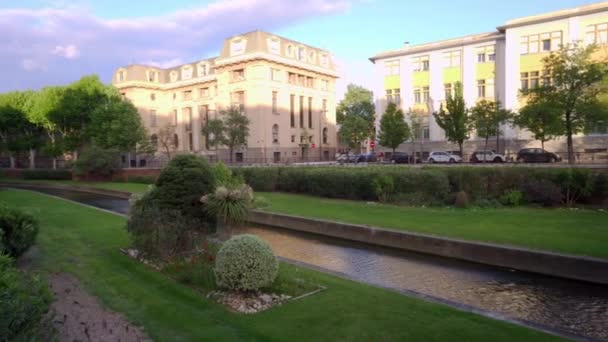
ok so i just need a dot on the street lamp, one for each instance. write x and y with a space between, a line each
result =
322 114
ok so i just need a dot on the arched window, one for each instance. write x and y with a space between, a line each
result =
325 135
175 141
154 140
275 134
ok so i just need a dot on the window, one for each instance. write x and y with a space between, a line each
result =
311 57
203 117
325 135
393 96
492 57
152 97
238 100
187 113
324 85
237 47
310 112
389 96
275 74
486 54
597 34
238 75
121 76
534 79
542 42
302 139
301 80
324 60
174 118
546 78
324 107
391 68
524 81
203 69
173 76
530 79
175 141
425 94
204 92
151 75
275 134
186 72
426 133
417 95
174 96
292 78
302 111
301 53
481 58
152 118
274 45
481 89
190 142
310 139
154 140
276 157
292 100
309 82
421 63
187 95
289 50
238 157
451 59
293 138
447 88
275 100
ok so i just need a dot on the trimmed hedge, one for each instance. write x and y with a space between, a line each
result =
423 186
18 231
47 174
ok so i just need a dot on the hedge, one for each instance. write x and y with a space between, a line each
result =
47 174
427 185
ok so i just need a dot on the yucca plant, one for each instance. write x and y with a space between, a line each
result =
229 205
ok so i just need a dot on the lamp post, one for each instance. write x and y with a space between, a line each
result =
322 114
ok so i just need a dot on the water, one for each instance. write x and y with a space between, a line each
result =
569 306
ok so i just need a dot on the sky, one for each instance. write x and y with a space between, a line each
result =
54 42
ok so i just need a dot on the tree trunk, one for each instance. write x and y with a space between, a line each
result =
75 154
54 163
569 139
231 155
32 159
542 144
460 147
485 149
12 161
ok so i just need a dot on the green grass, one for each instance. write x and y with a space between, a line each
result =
582 232
85 242
120 186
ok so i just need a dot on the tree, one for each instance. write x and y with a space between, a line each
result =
541 119
354 131
486 117
393 129
44 105
166 139
236 129
454 118
417 131
17 132
356 95
575 84
214 134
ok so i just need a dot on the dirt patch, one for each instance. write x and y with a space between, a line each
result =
78 316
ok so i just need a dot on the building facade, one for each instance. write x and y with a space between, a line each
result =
285 88
494 65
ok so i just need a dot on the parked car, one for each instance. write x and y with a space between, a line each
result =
400 158
443 157
367 157
488 157
347 158
536 155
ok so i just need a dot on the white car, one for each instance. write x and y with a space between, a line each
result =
443 157
488 157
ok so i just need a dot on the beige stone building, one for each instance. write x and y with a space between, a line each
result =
285 88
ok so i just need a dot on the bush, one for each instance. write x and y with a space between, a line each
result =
47 174
229 205
18 231
512 197
542 191
384 187
97 162
245 263
462 200
487 203
259 178
224 176
574 183
24 301
141 179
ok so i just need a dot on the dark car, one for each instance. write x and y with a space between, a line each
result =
537 155
400 158
367 158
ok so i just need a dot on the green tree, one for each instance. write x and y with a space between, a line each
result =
454 118
416 131
393 129
576 84
486 117
356 95
236 129
354 131
214 134
17 132
541 119
167 140
44 105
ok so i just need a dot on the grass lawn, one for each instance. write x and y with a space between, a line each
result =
129 187
85 242
583 232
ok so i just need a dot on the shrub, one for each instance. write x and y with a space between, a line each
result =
245 263
24 301
47 174
384 187
18 231
542 191
259 178
487 203
260 202
98 162
512 197
224 176
574 183
141 179
229 205
462 200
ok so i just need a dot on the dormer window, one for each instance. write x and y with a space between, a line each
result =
186 72
324 60
121 75
151 75
203 69
274 45
301 53
173 76
237 46
289 50
311 57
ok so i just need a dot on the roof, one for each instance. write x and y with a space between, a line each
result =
556 15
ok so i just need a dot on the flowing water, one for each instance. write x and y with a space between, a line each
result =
569 306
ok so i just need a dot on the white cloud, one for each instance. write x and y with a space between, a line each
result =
68 51
36 38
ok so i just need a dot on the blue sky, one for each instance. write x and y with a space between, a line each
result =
51 42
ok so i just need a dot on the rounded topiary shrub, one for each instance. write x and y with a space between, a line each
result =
18 231
245 263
